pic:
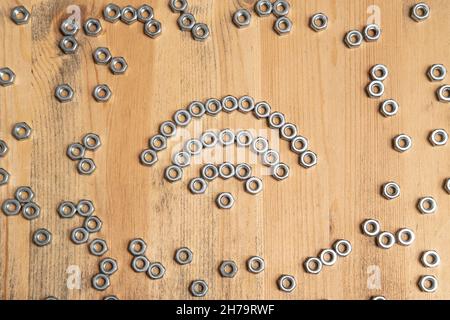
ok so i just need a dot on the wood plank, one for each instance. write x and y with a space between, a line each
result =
311 77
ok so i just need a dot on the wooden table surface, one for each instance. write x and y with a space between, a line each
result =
311 77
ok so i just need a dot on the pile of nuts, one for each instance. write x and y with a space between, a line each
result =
187 22
24 202
80 235
385 239
328 257
103 56
4 175
378 74
69 28
77 151
429 259
438 73
141 264
264 8
101 281
354 38
129 15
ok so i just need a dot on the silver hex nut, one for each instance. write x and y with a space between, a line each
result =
118 65
69 45
228 269
153 28
92 27
7 77
102 93
3 148
69 27
443 93
4 177
128 15
20 15
112 13
447 185
21 131
64 93
102 56
186 21
282 26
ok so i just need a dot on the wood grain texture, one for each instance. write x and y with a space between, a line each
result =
311 77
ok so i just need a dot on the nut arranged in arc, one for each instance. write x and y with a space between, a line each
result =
128 15
242 18
92 27
283 25
112 13
153 28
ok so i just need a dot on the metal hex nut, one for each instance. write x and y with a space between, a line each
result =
263 8
118 65
153 28
353 39
75 151
443 93
64 93
390 190
402 143
4 176
280 8
102 93
447 185
21 131
69 27
102 56
7 77
69 45
128 15
283 26
420 12
20 15
112 13
200 32
228 269
3 148
318 22
186 21
437 72
86 166
92 27
178 6
145 13
242 18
